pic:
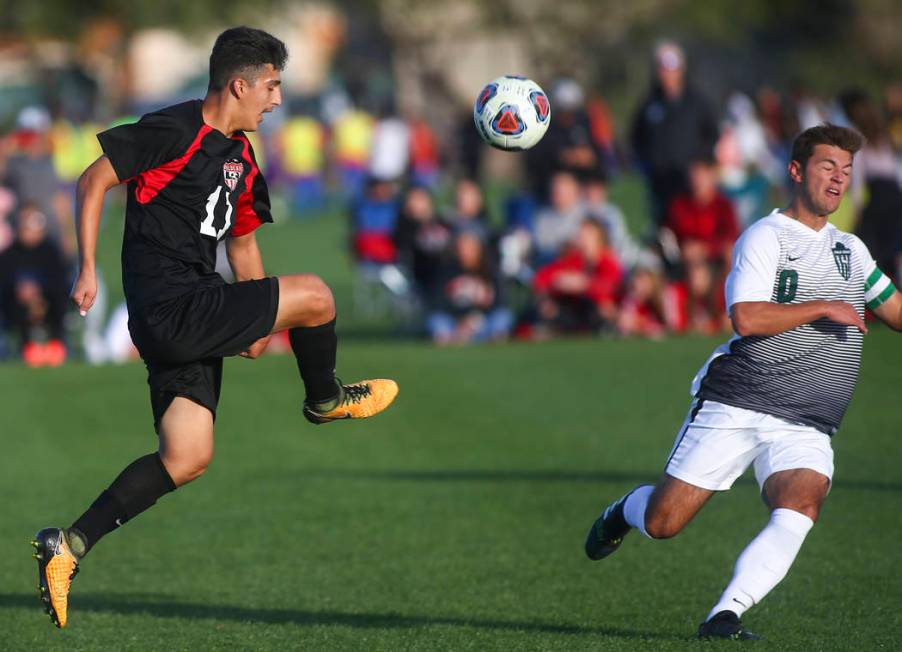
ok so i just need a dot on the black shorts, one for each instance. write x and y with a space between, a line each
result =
183 340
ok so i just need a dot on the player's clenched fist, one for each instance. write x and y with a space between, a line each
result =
84 291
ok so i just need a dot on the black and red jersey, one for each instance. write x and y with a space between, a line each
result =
189 186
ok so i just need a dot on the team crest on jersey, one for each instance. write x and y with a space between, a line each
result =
231 172
842 256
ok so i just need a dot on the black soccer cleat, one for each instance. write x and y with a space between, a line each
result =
607 532
725 625
57 565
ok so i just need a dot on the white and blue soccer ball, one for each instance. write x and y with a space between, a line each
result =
512 113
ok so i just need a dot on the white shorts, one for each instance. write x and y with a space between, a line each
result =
718 442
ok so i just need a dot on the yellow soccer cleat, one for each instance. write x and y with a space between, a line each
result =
357 401
56 568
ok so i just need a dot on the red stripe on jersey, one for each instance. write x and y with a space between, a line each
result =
151 182
246 219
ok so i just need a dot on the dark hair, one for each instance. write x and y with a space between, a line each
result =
243 49
824 134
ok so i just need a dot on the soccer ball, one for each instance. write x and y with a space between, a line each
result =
512 113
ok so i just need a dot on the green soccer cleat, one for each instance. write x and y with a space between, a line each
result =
607 532
57 566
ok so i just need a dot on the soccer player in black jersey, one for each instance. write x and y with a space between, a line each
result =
192 181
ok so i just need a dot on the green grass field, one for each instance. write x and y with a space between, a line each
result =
454 521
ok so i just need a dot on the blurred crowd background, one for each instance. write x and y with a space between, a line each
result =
693 104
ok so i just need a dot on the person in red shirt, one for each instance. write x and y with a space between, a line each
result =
578 291
705 226
651 306
703 220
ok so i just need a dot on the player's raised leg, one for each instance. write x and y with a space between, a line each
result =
795 497
186 448
307 311
657 511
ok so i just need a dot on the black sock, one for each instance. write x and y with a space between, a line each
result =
138 487
315 348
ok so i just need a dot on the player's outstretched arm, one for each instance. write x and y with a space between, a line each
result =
890 311
764 318
92 186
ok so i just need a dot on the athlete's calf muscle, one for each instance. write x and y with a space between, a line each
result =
672 506
801 490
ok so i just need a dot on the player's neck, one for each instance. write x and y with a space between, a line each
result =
216 114
799 212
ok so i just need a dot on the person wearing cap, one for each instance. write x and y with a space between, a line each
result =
674 124
568 144
30 174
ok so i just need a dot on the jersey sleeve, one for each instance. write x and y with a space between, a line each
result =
877 286
755 259
253 207
140 146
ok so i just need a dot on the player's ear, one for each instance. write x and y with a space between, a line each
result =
795 171
238 86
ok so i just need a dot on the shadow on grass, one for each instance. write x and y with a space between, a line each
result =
158 606
549 475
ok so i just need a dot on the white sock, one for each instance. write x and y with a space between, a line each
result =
634 507
765 561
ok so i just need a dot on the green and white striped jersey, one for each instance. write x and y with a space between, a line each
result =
805 375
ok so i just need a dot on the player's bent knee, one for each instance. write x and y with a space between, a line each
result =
661 527
185 469
305 300
661 530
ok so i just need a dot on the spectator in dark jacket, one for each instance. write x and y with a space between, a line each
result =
421 239
672 125
468 304
33 287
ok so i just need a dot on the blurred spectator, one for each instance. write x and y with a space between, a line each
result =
703 220
390 149
702 294
374 217
421 240
877 181
601 209
468 304
34 284
30 174
601 126
352 135
651 307
75 147
468 211
674 124
467 147
558 223
893 102
7 204
424 154
568 143
578 291
300 145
